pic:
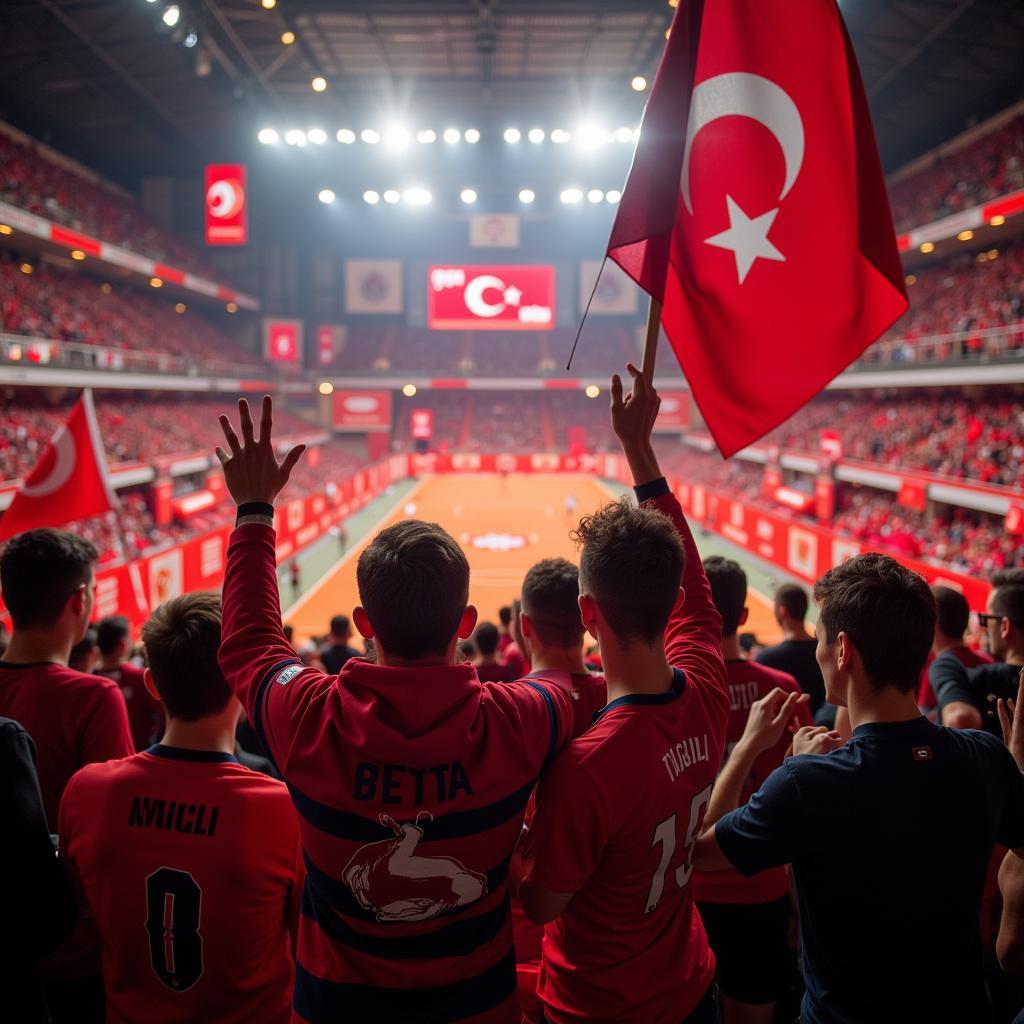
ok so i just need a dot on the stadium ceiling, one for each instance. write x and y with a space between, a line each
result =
109 82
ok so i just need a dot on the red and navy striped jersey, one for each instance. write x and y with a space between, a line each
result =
191 866
411 784
615 824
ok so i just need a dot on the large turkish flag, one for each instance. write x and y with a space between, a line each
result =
756 211
69 482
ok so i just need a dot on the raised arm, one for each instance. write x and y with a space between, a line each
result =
694 633
254 651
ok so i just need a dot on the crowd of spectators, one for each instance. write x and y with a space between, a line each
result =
985 168
134 429
65 305
32 181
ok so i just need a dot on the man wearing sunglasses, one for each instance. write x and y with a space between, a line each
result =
967 696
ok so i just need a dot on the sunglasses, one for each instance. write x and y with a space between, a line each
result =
984 618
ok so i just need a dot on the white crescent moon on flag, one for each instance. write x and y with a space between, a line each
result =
474 296
63 467
224 198
747 95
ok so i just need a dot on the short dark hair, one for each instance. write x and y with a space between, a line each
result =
81 650
414 584
39 571
952 612
1008 596
340 624
887 611
486 639
551 591
182 638
111 632
631 563
728 590
505 615
793 598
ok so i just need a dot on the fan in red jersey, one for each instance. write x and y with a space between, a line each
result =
113 637
190 862
747 919
410 775
73 718
607 856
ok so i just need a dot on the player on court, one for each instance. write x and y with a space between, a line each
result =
607 856
747 919
189 862
410 776
570 506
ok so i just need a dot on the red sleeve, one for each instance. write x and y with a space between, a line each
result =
106 734
693 636
545 711
260 666
569 831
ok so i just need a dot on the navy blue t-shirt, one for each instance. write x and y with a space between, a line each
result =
873 831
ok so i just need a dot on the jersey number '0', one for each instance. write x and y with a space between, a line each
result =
173 905
665 834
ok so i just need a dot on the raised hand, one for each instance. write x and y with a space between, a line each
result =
251 471
770 719
633 419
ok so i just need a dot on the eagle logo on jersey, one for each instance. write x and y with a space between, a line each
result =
389 878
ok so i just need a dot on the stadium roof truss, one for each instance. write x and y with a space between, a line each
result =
107 81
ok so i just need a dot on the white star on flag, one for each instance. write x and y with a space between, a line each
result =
747 238
512 295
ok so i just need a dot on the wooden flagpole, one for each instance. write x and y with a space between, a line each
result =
651 340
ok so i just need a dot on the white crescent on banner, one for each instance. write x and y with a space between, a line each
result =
474 295
63 467
224 198
746 95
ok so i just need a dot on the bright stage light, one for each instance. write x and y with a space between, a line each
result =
639 83
6 229
171 15
190 40
326 196
154 282
370 136
590 136
295 137
287 38
392 195
397 138
268 136
468 195
613 195
325 387
623 134
317 136
526 195
560 136
426 136
409 390
535 135
571 195
268 5
512 135
472 136
232 307
451 136
371 197
592 391
417 196
346 136
595 195
319 84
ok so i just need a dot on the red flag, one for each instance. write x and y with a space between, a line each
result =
69 481
759 219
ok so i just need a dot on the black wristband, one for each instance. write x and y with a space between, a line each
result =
254 508
651 489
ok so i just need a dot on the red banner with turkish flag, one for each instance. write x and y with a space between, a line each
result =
282 342
69 482
491 298
756 141
226 209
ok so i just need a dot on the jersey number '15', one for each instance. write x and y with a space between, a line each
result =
665 835
173 906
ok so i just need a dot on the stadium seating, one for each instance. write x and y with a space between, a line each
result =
32 181
990 166
76 308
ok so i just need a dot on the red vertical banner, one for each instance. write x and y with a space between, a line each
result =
824 499
325 344
913 494
282 342
227 221
163 490
421 424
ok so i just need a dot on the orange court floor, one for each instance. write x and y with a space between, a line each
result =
504 523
